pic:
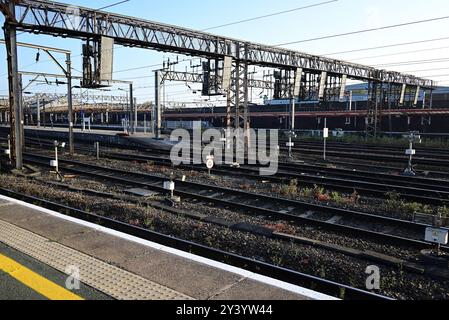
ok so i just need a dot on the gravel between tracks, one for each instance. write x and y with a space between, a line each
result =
307 259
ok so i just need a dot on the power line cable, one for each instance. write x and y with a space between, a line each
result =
113 5
426 70
406 63
400 53
270 15
387 46
363 31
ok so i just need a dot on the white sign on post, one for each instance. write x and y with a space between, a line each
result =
210 162
438 236
326 133
169 185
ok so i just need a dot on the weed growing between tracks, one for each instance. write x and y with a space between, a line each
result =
394 203
307 259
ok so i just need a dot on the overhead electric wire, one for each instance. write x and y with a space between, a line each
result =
386 46
426 70
436 76
400 53
405 63
363 31
270 15
113 5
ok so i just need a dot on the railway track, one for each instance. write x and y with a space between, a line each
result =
387 149
362 165
428 191
314 283
372 155
417 189
384 229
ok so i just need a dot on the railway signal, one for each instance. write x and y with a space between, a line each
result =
413 137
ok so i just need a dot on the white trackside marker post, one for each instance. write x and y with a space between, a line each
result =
97 150
210 163
55 163
325 136
170 186
8 151
290 144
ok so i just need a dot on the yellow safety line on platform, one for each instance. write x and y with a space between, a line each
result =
34 281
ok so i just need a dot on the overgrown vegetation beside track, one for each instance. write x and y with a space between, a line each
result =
393 206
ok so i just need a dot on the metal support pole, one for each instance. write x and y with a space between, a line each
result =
97 150
292 127
245 99
70 105
21 122
56 158
157 104
127 113
14 90
45 121
38 112
136 115
410 159
131 108
376 115
293 114
237 96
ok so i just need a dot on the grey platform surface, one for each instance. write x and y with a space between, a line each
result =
185 276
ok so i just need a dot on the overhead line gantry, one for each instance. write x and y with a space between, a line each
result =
231 57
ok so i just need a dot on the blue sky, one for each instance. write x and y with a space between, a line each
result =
338 17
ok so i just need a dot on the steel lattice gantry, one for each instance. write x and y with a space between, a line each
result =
64 20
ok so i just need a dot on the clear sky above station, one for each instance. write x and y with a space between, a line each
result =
338 17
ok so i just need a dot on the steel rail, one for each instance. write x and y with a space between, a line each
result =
318 284
198 191
376 186
427 191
